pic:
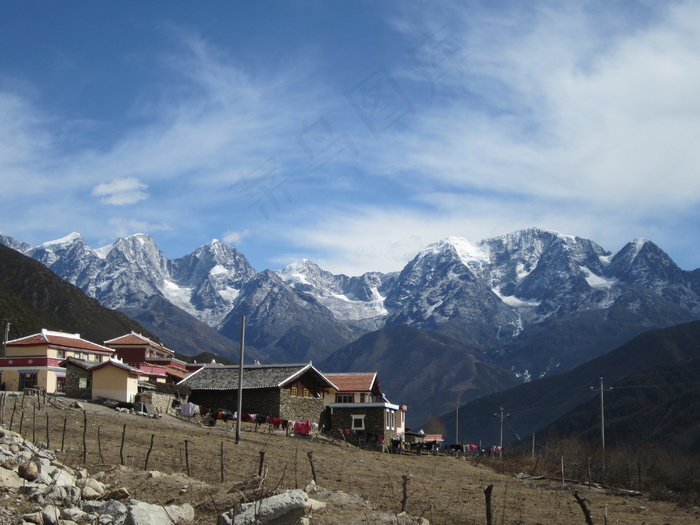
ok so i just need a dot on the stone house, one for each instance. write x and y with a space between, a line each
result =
291 392
358 408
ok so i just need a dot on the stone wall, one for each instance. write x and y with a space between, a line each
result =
270 402
375 420
162 403
300 408
73 376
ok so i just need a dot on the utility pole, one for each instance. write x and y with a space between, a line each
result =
457 425
240 384
5 336
502 414
601 389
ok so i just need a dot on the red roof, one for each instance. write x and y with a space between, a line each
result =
60 339
357 382
175 372
134 339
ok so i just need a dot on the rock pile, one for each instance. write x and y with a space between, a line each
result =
41 490
35 488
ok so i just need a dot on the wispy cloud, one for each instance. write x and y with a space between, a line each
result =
559 117
121 192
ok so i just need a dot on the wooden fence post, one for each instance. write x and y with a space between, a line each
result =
222 462
404 500
63 436
121 448
261 466
34 424
148 454
99 445
187 458
48 443
582 504
12 417
313 468
84 436
489 513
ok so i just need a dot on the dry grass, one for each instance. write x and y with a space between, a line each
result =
442 489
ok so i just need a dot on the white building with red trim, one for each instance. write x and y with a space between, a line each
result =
33 361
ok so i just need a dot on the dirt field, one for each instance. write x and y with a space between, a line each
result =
442 489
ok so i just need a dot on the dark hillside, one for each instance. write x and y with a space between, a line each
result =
539 403
660 406
32 297
428 371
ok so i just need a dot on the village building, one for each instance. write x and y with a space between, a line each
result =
33 362
111 379
157 362
358 409
285 392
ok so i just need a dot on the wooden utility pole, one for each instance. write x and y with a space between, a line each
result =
601 389
457 424
501 414
5 336
240 384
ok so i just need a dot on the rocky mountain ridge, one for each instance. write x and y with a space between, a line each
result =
533 301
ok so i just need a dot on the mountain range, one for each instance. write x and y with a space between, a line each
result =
530 304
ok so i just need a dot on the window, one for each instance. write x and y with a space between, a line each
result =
344 398
306 392
61 354
358 422
293 391
84 383
390 419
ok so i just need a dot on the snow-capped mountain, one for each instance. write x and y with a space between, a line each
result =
358 299
534 300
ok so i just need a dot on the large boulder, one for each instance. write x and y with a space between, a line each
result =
142 513
285 507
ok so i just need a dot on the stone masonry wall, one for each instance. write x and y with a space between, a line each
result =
73 376
300 408
375 422
161 403
270 402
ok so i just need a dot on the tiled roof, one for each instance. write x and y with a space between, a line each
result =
355 382
60 339
91 365
176 373
118 364
77 362
134 339
254 376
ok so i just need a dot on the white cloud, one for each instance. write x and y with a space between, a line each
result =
547 111
121 192
233 237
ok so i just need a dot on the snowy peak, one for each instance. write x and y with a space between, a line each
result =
8 241
305 274
469 254
642 262
348 298
69 239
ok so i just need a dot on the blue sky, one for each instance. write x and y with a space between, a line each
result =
350 133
